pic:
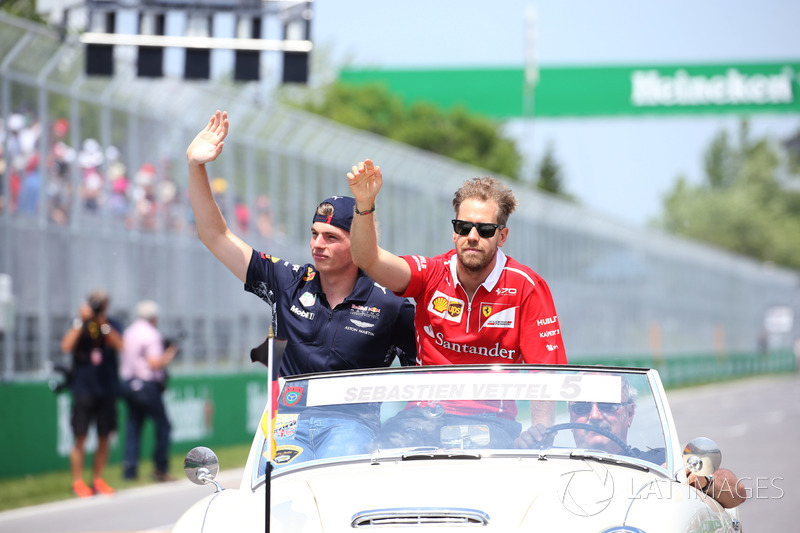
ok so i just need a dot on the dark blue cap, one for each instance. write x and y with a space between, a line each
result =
342 215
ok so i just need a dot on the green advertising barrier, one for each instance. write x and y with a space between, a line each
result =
598 91
208 410
220 410
697 369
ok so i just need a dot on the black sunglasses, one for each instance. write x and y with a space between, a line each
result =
584 408
485 229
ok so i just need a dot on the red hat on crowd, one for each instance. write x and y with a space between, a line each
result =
60 127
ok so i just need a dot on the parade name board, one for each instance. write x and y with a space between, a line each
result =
456 386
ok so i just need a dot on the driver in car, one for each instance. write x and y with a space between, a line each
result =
611 422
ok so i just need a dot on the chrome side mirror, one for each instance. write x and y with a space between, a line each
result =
702 456
201 466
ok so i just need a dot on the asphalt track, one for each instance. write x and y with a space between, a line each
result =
755 421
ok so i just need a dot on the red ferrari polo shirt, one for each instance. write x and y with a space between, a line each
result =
510 319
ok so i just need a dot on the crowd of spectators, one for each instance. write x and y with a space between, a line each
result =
94 181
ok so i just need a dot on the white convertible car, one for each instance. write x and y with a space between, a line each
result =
491 448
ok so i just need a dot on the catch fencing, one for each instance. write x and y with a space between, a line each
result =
93 194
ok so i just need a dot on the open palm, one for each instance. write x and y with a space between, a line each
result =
365 181
207 145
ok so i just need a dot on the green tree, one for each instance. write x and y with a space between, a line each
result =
743 204
551 177
25 9
720 162
456 133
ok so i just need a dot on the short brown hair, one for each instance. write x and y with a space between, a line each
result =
98 300
487 188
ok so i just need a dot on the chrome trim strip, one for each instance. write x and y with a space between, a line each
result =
420 516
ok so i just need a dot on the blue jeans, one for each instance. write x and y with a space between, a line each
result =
322 437
143 399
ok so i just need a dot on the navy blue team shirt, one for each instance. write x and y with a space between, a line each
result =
367 330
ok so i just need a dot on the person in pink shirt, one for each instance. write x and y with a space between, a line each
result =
142 369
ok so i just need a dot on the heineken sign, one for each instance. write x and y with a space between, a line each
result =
651 88
600 91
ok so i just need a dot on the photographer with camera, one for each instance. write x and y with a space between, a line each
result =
94 342
143 371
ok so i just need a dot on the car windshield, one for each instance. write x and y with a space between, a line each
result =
472 411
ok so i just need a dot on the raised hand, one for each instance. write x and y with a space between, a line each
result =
365 181
207 145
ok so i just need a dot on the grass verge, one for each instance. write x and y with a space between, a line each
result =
54 486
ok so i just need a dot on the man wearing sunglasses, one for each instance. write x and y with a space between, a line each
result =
610 418
613 421
474 304
616 418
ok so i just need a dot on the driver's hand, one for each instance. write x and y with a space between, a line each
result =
698 482
535 436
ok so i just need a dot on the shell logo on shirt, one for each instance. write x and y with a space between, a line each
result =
497 316
446 307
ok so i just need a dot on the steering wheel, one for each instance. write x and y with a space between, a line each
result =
587 427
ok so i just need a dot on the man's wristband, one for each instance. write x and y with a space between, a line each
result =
366 212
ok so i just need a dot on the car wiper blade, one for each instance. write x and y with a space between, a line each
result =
439 453
421 453
604 457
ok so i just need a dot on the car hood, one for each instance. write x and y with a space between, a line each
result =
500 494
